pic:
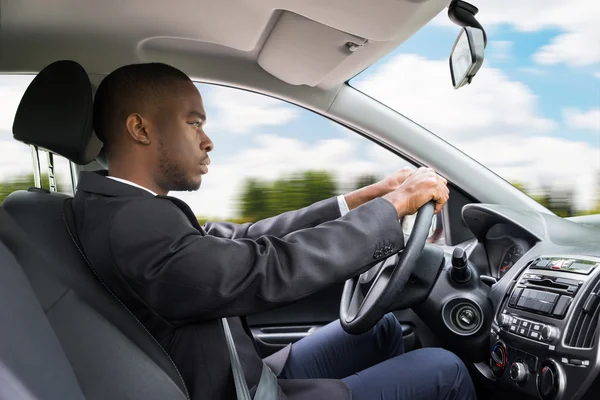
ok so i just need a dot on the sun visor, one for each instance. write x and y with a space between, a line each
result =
301 51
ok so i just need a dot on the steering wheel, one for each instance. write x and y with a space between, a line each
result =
368 297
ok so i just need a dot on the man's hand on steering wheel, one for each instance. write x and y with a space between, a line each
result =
366 298
417 189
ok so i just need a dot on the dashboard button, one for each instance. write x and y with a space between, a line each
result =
542 263
523 331
574 361
536 327
525 324
534 335
513 328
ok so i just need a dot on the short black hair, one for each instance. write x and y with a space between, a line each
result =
129 89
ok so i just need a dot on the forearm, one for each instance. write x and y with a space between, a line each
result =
281 225
364 195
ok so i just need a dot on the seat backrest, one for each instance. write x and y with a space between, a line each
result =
113 355
33 364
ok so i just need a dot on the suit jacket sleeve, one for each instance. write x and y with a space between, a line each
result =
280 225
187 276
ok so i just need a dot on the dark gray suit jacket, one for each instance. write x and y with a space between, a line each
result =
179 278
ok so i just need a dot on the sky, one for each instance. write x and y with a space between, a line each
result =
532 114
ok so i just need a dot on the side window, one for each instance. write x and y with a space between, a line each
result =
271 157
16 165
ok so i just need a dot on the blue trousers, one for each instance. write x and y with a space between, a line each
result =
375 366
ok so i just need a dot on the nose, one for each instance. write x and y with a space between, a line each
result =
205 143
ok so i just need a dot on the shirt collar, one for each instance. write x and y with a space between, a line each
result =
125 181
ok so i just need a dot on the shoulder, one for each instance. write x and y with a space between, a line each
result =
143 214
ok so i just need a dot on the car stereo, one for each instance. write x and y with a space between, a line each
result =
544 294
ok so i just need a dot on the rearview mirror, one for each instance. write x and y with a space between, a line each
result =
466 56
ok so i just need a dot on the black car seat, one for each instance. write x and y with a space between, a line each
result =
112 354
33 364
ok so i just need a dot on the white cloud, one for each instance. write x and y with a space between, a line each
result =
421 89
572 48
578 43
583 119
239 111
565 164
15 157
495 120
500 50
597 75
12 88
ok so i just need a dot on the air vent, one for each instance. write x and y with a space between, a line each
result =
582 330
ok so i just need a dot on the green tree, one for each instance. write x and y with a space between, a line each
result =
260 199
254 199
21 182
559 202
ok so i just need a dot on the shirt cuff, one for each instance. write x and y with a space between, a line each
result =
343 205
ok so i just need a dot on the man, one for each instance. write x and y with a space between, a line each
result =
179 278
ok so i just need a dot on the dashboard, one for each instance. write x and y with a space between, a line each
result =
544 332
518 300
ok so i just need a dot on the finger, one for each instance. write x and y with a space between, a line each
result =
438 207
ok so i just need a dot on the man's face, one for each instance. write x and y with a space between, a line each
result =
182 143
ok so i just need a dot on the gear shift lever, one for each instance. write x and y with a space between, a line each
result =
460 269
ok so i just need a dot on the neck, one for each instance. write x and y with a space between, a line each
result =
139 177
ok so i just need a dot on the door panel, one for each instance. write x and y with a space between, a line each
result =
276 328
319 309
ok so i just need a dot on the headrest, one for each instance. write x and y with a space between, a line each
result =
55 113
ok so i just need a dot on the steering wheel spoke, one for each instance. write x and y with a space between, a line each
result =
368 286
367 297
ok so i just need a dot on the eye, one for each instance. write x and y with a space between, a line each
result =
196 124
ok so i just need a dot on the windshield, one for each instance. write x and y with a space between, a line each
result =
532 113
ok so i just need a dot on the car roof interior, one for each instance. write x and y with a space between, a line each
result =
265 45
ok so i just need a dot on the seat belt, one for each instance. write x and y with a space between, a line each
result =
239 379
267 388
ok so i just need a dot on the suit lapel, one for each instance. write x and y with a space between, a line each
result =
182 205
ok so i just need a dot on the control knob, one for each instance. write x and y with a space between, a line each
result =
518 372
504 321
549 333
498 359
548 381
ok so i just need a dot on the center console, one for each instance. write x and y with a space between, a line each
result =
544 340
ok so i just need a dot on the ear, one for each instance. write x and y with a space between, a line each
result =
136 127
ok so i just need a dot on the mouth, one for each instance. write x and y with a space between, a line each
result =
204 165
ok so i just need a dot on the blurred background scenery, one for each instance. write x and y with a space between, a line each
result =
531 115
